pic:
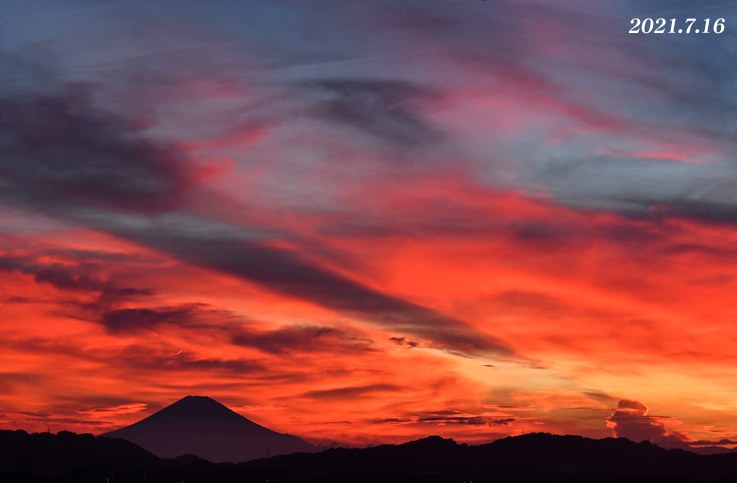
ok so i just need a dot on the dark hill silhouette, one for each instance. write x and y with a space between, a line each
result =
49 455
69 457
204 427
532 457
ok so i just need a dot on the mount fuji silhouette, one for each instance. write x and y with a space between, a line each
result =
203 427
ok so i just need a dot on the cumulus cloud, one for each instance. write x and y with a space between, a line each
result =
631 421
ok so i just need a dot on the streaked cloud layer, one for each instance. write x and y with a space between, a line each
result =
369 222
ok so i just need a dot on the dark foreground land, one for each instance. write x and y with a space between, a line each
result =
69 457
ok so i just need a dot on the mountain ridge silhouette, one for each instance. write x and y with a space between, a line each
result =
531 457
82 458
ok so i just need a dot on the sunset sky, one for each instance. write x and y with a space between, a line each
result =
366 222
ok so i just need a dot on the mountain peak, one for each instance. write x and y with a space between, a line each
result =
204 427
197 408
202 402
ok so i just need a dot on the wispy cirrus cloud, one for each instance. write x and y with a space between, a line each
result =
106 412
